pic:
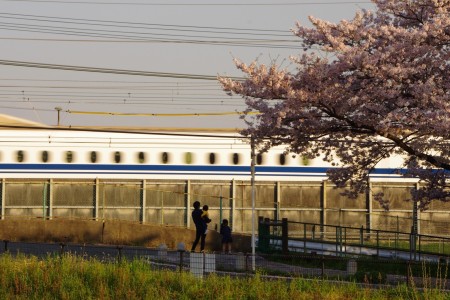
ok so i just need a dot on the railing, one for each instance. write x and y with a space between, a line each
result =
344 240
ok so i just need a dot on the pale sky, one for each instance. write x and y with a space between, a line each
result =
195 37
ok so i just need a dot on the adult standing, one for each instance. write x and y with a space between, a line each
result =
200 227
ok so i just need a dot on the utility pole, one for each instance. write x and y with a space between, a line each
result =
58 109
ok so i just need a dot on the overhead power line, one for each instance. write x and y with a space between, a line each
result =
138 35
121 114
107 70
266 44
195 3
141 25
158 82
160 115
119 32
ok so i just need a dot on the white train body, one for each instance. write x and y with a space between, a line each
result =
97 154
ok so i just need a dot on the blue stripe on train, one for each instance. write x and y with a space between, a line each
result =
194 169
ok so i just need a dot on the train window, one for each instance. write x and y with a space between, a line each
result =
282 159
20 156
212 158
141 157
236 158
259 159
69 156
117 157
165 157
44 156
188 158
93 157
305 161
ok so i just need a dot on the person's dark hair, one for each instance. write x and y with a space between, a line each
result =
225 222
196 204
205 207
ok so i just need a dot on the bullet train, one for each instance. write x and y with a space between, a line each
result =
56 153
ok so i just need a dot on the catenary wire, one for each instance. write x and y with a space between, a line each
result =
108 70
196 3
140 25
129 34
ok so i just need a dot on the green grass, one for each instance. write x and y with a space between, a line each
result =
72 277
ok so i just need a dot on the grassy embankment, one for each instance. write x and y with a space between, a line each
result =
72 277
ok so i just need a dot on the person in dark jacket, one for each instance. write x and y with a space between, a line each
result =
200 227
225 231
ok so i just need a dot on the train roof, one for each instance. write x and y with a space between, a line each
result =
8 122
156 129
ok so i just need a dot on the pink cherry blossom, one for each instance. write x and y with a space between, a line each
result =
385 90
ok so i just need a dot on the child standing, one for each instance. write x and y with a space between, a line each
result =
205 217
225 231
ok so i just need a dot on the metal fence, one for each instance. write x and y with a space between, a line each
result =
169 202
303 237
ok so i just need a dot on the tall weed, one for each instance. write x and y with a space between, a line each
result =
72 277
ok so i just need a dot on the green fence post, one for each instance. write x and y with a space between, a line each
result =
345 235
378 243
284 235
263 235
361 239
410 246
304 238
361 235
260 234
420 248
336 240
412 243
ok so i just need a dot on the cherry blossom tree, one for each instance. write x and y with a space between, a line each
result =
363 90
